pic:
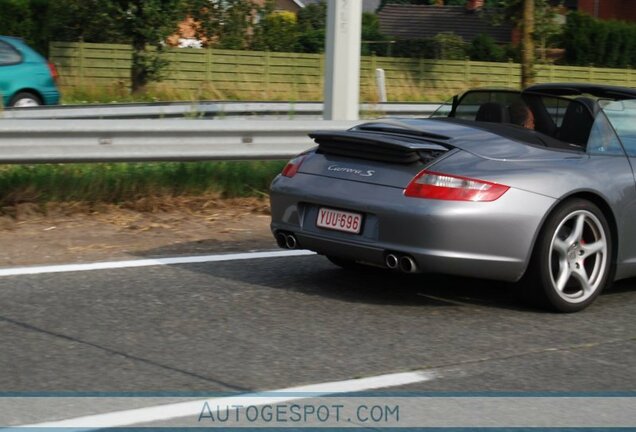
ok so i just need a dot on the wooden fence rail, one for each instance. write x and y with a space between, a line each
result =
249 73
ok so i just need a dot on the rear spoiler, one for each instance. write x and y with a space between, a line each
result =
377 146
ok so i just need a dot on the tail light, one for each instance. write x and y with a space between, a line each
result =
54 73
432 185
293 165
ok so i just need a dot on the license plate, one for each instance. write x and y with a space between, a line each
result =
339 220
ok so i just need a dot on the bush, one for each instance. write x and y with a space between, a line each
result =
449 46
371 33
602 43
444 46
416 48
484 48
277 32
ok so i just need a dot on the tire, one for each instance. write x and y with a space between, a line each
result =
25 99
572 259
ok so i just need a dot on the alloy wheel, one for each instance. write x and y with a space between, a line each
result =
578 256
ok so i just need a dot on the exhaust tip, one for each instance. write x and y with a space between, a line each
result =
408 264
291 242
281 240
391 261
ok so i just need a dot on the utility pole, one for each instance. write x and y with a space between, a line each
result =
342 64
527 44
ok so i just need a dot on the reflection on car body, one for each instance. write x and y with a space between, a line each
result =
469 192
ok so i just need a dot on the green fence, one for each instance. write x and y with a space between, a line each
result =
250 74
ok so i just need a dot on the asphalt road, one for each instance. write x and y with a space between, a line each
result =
279 322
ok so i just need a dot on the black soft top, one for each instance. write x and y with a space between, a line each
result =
577 89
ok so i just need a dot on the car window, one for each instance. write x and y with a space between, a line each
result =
8 54
555 108
603 139
471 102
444 109
621 115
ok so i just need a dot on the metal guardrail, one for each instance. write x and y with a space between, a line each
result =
44 141
214 110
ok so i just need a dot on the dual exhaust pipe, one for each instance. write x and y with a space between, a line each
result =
286 240
393 261
404 263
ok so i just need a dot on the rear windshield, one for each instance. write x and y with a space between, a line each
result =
553 121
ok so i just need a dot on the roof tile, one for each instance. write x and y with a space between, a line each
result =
405 21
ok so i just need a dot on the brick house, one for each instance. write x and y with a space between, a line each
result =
624 10
409 21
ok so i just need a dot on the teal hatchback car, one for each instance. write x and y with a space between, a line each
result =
26 78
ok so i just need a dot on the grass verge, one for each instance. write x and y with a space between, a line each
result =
120 183
402 89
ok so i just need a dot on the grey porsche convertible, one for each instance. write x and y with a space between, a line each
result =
535 187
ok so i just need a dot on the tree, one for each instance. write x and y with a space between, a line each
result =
96 21
535 18
484 48
16 18
372 35
39 38
277 31
312 24
148 23
226 24
40 21
448 46
527 44
588 40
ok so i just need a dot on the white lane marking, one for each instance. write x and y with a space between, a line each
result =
194 408
16 271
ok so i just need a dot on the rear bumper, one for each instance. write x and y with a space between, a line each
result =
488 240
51 97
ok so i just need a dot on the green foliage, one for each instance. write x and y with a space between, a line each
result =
225 24
148 23
16 19
484 48
513 52
602 43
236 20
415 48
142 23
546 29
449 46
277 31
443 46
312 23
372 38
121 182
88 20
